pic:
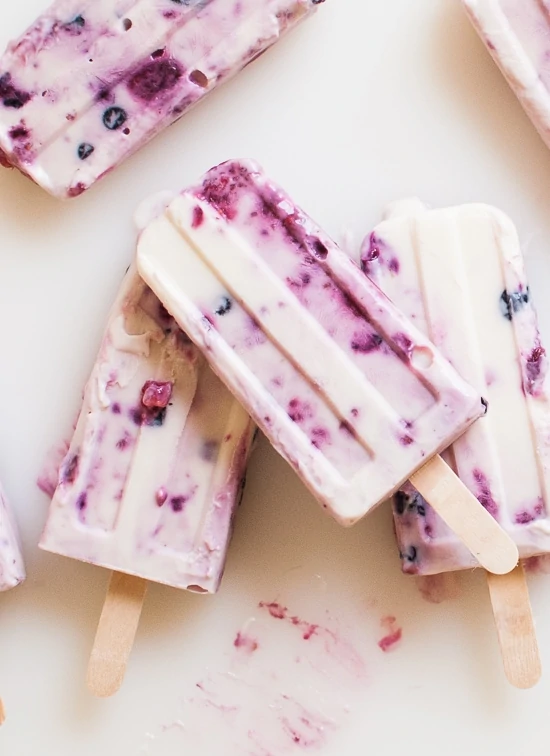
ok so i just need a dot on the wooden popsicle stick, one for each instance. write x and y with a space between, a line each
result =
115 635
515 627
2 713
467 518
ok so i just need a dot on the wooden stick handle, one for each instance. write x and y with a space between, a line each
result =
476 528
515 627
2 713
115 635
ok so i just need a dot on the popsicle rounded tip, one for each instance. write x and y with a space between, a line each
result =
524 679
503 558
151 208
515 628
102 682
404 208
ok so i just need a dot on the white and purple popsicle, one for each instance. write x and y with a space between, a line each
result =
458 274
346 389
156 467
517 35
12 569
91 81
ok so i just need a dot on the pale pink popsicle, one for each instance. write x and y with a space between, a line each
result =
91 81
12 569
156 468
517 34
344 386
458 274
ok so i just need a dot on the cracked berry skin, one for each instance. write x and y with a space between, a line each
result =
410 556
511 303
85 150
114 117
404 502
224 307
400 502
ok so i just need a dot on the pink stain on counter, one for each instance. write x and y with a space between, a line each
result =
393 636
289 685
246 643
277 611
537 565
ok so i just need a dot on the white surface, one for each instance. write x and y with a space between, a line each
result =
364 104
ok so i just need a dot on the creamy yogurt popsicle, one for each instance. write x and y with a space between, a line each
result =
517 34
12 569
346 389
91 81
156 467
458 274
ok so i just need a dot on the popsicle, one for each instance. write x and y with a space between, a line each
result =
154 472
12 569
346 389
458 274
516 33
91 81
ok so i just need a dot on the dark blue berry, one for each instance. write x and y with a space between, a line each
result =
365 343
485 404
152 416
75 27
12 97
404 501
158 416
514 302
400 502
114 117
85 150
410 555
224 306
82 501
